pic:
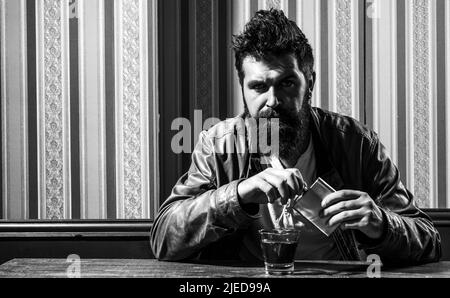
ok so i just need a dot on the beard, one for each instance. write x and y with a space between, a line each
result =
294 133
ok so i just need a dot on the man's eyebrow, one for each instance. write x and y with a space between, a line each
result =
289 76
256 81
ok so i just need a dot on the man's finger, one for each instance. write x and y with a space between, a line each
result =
341 206
280 184
270 193
338 196
288 180
346 216
297 180
355 224
297 173
292 183
293 178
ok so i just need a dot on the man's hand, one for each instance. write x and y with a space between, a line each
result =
354 210
271 185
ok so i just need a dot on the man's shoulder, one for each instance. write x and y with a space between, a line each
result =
227 136
228 127
331 122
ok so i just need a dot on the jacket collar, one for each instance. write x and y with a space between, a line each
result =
324 166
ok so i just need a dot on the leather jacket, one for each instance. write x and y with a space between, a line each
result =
203 218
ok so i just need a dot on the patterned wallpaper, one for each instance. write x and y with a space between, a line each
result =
131 131
422 102
89 100
54 148
344 18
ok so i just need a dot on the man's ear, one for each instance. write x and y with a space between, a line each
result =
312 81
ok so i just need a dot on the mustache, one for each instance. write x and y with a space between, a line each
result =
269 113
286 117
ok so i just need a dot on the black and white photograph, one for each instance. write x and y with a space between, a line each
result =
225 146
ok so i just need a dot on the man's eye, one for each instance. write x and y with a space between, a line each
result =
287 83
259 87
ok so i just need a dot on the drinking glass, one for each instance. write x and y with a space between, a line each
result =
278 247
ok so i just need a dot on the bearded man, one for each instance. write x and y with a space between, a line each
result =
216 209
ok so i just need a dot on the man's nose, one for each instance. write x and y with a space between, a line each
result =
272 100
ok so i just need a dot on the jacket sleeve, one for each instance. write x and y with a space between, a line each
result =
409 234
197 212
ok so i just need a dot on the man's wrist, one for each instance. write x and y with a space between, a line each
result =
241 194
368 241
250 208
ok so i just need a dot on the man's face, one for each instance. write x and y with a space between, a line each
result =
276 88
269 83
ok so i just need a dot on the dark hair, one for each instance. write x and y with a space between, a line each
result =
269 33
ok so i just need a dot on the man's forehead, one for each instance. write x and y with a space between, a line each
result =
283 63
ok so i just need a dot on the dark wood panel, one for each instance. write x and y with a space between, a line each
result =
71 226
444 231
93 247
88 239
440 217
173 89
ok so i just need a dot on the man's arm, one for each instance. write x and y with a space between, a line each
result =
385 219
197 213
409 234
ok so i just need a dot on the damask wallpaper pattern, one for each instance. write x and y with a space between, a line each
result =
54 147
423 101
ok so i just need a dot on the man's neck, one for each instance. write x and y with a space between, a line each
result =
291 160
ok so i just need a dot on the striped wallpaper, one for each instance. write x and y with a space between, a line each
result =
78 109
79 93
